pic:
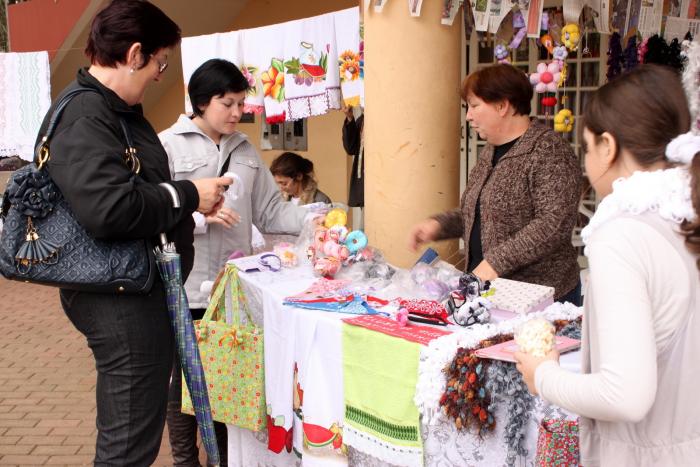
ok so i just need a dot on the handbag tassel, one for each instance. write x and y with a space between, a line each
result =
35 250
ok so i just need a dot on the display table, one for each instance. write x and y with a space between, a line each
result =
304 385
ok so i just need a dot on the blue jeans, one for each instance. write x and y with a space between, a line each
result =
574 296
132 342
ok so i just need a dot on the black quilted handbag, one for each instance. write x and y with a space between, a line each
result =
43 243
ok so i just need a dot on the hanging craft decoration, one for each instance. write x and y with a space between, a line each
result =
547 42
614 57
564 121
629 57
501 53
570 36
546 79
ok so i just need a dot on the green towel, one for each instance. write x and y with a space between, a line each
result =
380 377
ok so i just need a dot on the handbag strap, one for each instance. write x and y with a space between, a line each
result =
218 299
42 153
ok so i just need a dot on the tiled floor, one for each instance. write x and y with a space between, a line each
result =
47 383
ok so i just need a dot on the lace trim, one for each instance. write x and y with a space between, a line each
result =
307 106
666 192
441 351
390 453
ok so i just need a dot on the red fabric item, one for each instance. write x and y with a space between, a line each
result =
411 332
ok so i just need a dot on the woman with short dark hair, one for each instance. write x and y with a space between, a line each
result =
205 144
295 177
520 205
130 335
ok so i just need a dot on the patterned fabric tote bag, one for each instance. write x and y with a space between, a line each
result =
232 356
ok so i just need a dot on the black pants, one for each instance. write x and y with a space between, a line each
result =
132 342
182 428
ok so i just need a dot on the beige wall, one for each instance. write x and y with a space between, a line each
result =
324 132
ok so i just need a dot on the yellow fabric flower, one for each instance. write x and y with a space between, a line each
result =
273 83
564 121
349 56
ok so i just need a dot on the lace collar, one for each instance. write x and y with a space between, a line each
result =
666 192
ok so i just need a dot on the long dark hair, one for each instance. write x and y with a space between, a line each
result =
644 110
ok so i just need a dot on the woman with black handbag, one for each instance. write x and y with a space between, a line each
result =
129 334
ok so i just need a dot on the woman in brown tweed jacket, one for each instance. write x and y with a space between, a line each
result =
520 205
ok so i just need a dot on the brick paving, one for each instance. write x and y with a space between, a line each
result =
47 383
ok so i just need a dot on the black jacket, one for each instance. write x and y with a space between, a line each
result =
87 166
352 142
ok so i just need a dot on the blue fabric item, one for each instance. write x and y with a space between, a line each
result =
168 262
356 306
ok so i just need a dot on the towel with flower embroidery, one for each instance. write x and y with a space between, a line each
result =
351 56
263 65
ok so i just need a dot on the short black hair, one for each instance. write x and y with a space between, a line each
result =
214 77
123 23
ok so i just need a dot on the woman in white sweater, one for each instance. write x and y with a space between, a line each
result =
641 341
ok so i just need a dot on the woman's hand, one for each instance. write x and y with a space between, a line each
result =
225 216
211 191
425 232
485 272
347 110
527 365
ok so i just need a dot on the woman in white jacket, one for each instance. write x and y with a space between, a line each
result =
207 143
637 393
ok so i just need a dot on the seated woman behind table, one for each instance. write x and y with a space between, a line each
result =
295 177
520 205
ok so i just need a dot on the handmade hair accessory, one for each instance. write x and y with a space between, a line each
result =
570 36
547 42
425 311
548 101
564 121
271 261
327 267
236 189
319 238
501 53
286 253
682 149
336 216
546 79
337 233
535 337
356 241
560 53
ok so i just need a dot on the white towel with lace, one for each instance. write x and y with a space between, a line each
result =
197 50
310 55
25 97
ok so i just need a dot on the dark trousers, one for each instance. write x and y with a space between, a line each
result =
574 296
132 342
182 428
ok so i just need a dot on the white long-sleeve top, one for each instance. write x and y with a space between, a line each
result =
640 349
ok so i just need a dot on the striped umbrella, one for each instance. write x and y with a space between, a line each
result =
168 261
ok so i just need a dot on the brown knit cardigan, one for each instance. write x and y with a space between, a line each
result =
529 203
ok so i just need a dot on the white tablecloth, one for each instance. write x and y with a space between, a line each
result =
444 445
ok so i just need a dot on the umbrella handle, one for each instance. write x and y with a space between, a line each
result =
163 240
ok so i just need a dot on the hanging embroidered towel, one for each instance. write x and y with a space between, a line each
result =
263 57
197 50
351 56
311 87
25 97
380 375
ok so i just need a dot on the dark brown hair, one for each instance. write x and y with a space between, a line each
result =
291 165
125 22
496 83
644 110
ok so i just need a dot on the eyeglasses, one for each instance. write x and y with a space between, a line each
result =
161 66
